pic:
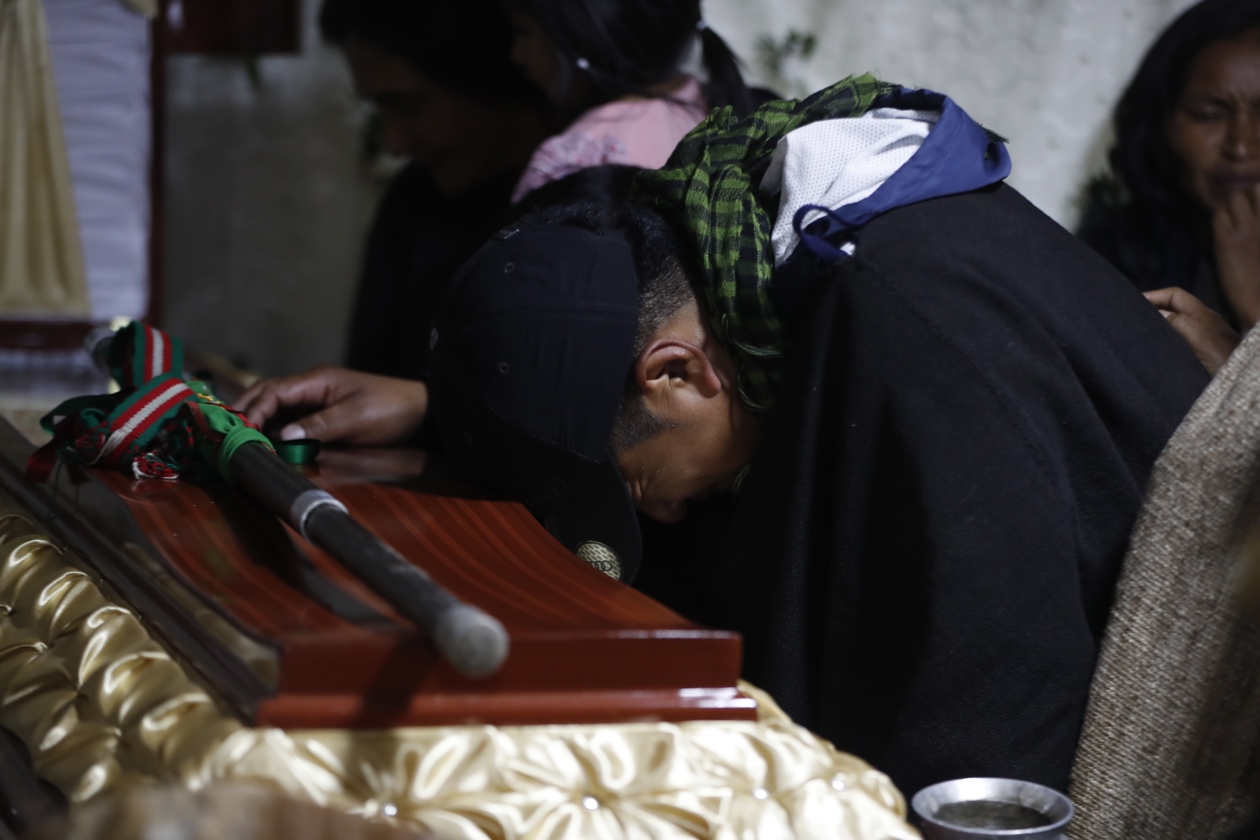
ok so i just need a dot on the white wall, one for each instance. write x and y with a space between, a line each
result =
267 203
1043 73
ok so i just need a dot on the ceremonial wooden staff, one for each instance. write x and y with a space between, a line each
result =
473 642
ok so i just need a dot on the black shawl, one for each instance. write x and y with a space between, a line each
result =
925 550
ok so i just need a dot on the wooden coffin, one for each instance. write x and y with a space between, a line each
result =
287 637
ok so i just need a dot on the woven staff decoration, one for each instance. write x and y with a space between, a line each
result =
158 425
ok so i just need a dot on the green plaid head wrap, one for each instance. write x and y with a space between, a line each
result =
708 190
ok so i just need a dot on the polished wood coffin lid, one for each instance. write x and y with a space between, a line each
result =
288 637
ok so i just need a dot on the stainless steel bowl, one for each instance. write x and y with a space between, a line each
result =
953 810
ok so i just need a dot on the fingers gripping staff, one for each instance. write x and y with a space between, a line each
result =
162 426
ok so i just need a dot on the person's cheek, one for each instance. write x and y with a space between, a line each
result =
665 512
430 131
396 134
1196 153
519 53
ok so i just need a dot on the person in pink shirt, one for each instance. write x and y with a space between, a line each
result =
615 72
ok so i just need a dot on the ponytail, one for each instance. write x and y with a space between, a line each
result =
627 46
726 83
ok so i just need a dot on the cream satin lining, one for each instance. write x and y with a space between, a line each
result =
41 258
97 700
226 811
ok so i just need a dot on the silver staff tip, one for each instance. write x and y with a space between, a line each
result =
475 643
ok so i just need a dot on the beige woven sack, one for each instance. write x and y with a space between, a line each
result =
1170 739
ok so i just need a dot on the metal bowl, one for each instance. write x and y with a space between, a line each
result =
944 810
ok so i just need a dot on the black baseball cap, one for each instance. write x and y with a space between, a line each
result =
531 352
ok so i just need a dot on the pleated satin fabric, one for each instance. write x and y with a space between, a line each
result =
99 702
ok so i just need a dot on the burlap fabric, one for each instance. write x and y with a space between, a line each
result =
1169 745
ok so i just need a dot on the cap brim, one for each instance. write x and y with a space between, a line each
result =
579 502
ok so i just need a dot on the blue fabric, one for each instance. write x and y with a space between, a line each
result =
958 156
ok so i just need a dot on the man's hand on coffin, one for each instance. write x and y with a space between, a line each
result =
1207 333
334 404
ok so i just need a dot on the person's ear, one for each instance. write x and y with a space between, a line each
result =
667 366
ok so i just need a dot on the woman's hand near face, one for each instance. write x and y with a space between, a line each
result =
1236 230
338 404
1209 336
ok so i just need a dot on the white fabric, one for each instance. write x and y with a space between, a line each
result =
41 262
101 52
837 162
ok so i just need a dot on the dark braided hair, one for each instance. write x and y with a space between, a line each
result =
625 47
